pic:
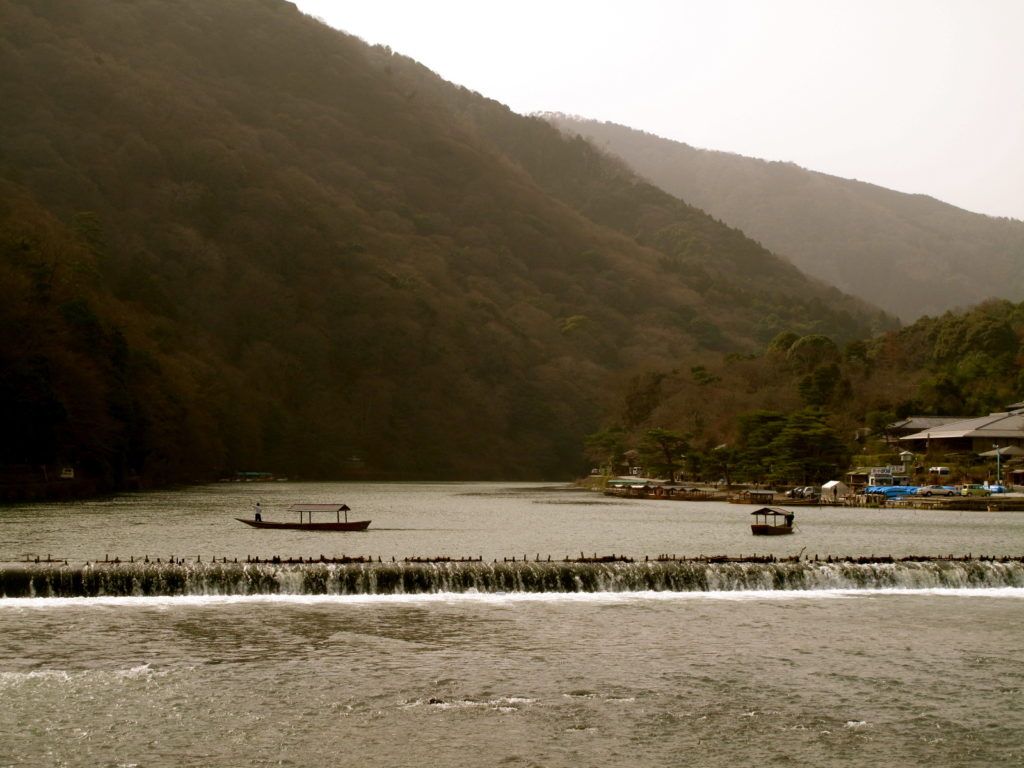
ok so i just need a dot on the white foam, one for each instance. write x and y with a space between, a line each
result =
51 675
502 704
50 603
142 671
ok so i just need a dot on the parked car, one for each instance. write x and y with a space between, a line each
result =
803 492
935 490
974 489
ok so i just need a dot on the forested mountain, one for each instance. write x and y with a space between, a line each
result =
233 238
909 254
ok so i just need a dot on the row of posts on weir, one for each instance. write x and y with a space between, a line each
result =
583 558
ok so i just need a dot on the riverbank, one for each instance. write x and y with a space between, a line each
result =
656 490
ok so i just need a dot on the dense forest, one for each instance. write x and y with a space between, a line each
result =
804 408
232 238
912 255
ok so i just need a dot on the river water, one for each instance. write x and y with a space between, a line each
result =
891 666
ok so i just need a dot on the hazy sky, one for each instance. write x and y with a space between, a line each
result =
915 95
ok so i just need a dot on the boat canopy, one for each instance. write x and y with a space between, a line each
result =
318 508
772 512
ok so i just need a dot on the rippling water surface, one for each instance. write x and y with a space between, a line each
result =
824 677
479 519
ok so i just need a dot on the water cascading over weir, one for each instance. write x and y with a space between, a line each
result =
167 579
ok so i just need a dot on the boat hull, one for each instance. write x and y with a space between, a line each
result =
770 530
354 525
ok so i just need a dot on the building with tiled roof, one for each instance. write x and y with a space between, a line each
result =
914 424
976 435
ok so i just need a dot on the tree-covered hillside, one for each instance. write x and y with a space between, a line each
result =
803 408
912 255
233 238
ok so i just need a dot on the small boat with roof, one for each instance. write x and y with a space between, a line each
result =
772 521
306 523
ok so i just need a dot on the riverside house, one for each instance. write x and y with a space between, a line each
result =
976 435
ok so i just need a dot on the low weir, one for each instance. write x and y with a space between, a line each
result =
121 579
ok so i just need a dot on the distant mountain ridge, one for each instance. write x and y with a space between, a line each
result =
232 238
912 255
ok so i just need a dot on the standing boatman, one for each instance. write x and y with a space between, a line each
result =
259 512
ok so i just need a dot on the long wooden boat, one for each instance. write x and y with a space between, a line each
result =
354 525
752 496
306 523
772 521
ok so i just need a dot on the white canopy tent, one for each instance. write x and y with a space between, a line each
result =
834 489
